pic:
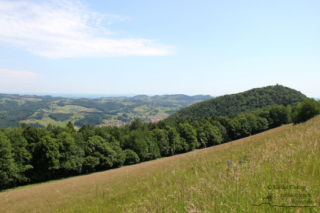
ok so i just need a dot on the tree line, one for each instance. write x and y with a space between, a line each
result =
32 155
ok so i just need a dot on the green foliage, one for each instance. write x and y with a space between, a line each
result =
153 148
123 118
46 159
15 108
60 103
104 107
212 134
142 142
246 128
70 127
305 110
71 154
262 124
21 154
240 103
136 124
98 148
9 171
14 113
36 125
136 142
279 115
189 135
222 129
234 129
90 163
38 116
174 140
61 116
131 157
120 157
161 139
90 120
37 155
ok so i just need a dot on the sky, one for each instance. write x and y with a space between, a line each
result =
158 47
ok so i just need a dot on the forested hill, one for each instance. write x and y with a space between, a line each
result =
240 102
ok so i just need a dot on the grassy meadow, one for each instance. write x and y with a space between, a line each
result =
63 109
272 162
45 121
73 109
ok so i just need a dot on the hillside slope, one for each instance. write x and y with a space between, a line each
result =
199 181
240 102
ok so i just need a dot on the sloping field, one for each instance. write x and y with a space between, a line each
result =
280 167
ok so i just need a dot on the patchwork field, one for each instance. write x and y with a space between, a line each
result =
17 109
207 180
72 109
45 121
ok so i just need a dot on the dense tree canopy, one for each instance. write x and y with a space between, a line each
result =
305 110
60 116
240 103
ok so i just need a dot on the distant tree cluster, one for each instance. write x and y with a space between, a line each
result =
164 104
60 116
124 118
154 112
104 107
92 119
36 125
170 111
38 116
14 113
60 103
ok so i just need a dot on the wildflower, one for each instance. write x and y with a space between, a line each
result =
238 174
239 161
290 144
245 157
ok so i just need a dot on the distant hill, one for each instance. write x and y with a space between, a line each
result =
174 97
240 102
43 110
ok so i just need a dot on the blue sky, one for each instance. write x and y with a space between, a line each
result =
158 47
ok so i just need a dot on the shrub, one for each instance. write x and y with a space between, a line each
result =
131 157
305 110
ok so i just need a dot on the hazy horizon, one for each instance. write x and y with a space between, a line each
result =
158 47
93 96
79 95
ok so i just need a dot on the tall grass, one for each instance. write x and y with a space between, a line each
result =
204 181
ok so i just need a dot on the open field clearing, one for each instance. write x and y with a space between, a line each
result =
198 181
160 114
141 109
45 121
73 109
